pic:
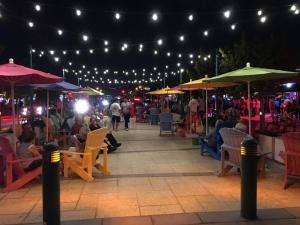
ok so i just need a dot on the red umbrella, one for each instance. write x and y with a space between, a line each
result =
12 75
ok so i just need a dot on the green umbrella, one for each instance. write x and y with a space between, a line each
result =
249 74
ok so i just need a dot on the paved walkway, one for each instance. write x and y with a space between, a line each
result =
153 175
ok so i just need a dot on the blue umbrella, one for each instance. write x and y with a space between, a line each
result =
57 86
54 86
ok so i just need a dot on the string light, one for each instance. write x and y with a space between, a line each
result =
263 19
106 49
293 8
205 33
155 52
179 55
296 11
56 59
78 12
168 54
37 7
31 24
60 32
191 56
181 38
154 17
259 12
191 17
117 16
106 42
85 37
51 52
160 42
233 26
64 52
77 52
227 14
70 63
91 51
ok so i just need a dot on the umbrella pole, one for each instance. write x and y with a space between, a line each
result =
206 113
62 107
47 121
13 114
249 106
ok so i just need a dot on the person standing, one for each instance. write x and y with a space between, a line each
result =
193 106
115 109
126 112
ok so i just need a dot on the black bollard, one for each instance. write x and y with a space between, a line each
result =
249 157
51 187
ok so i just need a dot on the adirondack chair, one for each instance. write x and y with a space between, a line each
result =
82 163
232 139
16 177
154 115
214 151
166 123
291 156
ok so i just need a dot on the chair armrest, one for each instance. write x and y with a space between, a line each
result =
264 154
64 152
24 160
292 153
103 145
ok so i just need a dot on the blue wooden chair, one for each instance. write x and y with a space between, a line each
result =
166 123
154 115
214 151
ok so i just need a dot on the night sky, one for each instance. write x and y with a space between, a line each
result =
135 27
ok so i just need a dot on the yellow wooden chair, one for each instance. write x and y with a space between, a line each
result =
82 163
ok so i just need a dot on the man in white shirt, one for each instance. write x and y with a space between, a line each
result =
115 109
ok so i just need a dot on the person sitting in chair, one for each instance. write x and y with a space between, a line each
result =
27 149
111 139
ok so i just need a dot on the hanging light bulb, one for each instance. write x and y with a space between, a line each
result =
37 7
227 14
78 12
60 32
154 17
160 42
85 37
263 19
117 15
259 12
31 24
293 8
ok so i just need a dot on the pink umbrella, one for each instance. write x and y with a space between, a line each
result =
12 75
